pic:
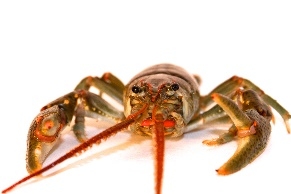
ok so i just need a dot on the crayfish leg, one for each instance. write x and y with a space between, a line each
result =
223 138
93 106
108 84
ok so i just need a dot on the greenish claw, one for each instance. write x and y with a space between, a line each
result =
253 128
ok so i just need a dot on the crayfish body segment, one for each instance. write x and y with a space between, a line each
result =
163 100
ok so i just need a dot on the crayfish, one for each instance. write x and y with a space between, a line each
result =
161 101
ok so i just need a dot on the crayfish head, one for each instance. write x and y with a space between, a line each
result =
167 105
43 135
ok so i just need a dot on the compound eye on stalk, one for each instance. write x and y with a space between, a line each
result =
136 89
175 86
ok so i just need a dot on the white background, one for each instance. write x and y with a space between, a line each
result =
46 48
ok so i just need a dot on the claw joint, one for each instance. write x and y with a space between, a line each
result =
246 132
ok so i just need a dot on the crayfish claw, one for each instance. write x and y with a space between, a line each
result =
250 146
43 135
251 116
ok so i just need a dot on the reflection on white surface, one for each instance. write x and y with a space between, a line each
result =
46 49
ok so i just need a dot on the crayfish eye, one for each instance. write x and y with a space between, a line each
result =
136 89
175 86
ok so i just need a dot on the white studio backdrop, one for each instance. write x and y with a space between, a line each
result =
46 48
